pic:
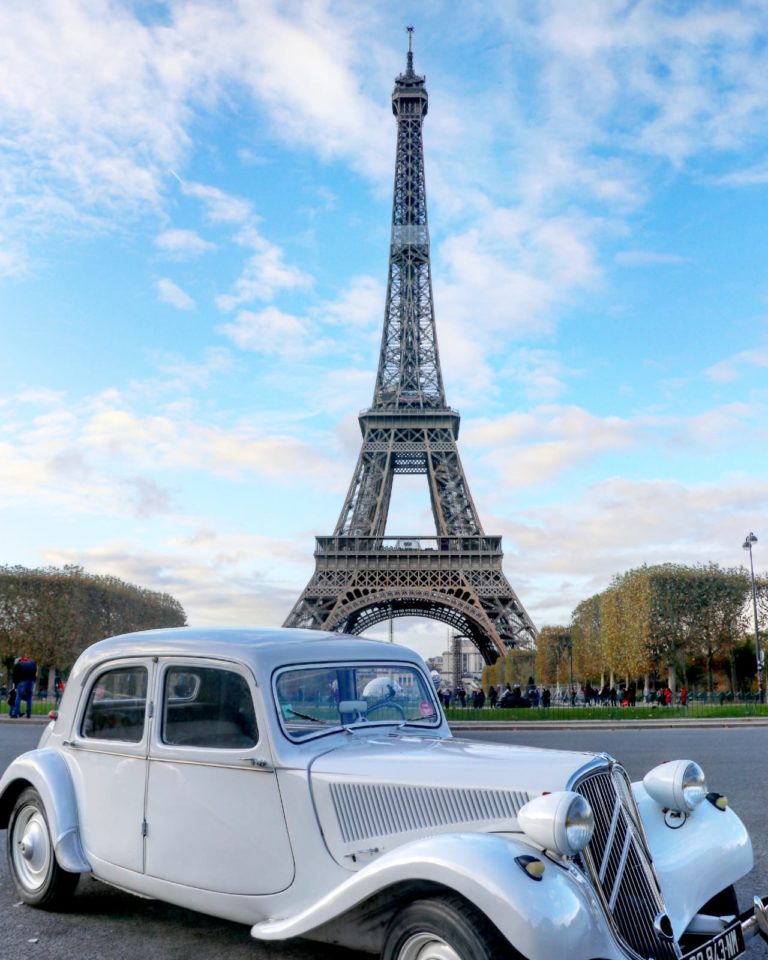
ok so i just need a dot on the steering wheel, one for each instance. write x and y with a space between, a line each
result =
385 703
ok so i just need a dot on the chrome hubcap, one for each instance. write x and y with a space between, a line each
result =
31 848
427 946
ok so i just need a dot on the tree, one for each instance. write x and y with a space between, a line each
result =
718 613
659 616
553 652
54 614
587 636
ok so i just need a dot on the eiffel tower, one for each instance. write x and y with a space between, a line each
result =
453 575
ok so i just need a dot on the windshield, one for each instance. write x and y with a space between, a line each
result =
316 699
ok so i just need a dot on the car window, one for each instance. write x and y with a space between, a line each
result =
314 699
207 707
117 705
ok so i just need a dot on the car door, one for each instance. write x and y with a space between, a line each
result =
108 747
214 817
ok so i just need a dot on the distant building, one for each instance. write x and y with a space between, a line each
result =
470 666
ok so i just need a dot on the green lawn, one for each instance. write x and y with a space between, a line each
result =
694 711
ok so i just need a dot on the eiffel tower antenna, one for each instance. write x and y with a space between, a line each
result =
453 574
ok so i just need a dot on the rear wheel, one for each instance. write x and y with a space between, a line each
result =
38 878
444 928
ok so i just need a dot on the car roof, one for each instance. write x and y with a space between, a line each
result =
264 648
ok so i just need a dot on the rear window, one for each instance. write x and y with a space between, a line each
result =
117 705
319 698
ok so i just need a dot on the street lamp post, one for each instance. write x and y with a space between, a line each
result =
747 545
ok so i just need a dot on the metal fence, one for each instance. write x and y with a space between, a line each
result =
696 706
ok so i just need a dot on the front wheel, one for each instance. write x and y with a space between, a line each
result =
444 928
38 878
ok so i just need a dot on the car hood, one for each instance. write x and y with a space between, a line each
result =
375 793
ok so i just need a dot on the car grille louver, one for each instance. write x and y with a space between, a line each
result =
368 810
620 866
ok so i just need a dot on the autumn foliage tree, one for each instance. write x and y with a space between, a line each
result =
660 619
53 614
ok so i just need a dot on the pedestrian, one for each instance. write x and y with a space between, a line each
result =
492 696
462 697
546 697
684 696
612 694
23 676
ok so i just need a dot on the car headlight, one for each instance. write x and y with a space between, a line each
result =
561 822
679 785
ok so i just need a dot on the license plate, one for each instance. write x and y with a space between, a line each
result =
725 946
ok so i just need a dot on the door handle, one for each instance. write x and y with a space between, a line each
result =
257 762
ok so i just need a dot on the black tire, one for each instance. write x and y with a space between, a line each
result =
723 904
427 929
36 874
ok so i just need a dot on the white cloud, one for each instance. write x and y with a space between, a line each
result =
220 207
540 374
171 293
268 331
648 258
360 305
265 273
41 396
220 579
102 102
530 449
178 374
738 365
182 244
560 553
752 176
14 258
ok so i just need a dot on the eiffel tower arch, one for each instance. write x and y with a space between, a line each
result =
453 574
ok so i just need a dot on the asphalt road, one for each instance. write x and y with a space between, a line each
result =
105 924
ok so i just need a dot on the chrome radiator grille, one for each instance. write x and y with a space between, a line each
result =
620 866
367 810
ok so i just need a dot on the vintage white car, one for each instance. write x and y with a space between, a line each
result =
307 784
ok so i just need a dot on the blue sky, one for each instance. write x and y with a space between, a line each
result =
194 218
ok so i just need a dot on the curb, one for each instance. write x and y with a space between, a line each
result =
35 718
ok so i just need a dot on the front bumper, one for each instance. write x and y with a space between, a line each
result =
752 922
755 922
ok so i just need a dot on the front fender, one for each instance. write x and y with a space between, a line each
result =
708 852
47 772
537 917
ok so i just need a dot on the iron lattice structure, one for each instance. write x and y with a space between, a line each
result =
454 575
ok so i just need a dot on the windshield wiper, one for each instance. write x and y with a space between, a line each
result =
305 716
